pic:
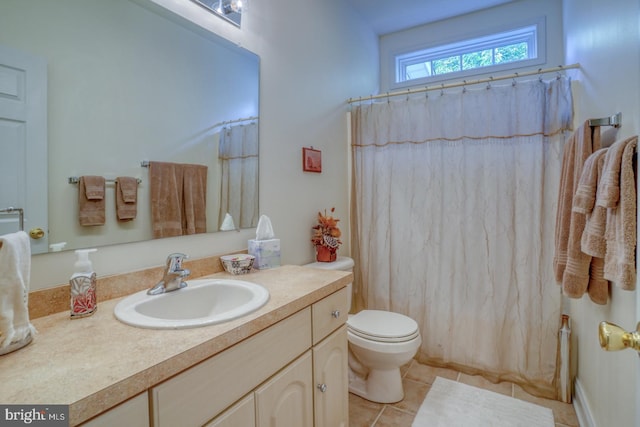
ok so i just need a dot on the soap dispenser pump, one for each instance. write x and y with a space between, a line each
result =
83 286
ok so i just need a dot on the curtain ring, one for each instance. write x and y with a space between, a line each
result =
514 80
464 86
442 90
540 75
489 83
426 92
388 99
408 92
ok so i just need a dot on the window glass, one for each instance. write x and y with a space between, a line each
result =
513 46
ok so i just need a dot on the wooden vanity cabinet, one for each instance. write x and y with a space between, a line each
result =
132 413
331 380
293 373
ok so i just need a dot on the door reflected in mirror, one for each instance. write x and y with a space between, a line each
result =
127 84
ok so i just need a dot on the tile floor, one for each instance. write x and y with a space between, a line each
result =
417 380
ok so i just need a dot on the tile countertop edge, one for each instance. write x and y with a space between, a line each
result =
124 389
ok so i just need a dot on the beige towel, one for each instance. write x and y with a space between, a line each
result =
569 225
178 198
165 187
194 199
584 203
609 187
91 200
620 259
592 241
126 198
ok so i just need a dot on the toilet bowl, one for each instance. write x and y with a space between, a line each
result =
380 342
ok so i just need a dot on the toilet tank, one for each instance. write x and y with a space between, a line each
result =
342 263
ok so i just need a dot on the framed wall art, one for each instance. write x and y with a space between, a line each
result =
311 160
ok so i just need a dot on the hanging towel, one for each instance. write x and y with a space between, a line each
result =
195 199
620 234
126 198
569 225
577 276
165 187
609 187
584 204
15 265
91 200
592 241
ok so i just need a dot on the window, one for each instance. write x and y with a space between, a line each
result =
507 49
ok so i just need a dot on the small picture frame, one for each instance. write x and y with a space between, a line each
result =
311 160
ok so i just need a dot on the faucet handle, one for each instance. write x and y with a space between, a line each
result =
174 261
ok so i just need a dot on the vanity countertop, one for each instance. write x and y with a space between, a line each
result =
94 363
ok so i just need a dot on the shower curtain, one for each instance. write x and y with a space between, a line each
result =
454 208
238 154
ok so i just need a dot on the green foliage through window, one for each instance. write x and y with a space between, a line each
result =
496 49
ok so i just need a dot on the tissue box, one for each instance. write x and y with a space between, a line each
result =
267 253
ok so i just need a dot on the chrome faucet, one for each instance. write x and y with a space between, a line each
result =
173 275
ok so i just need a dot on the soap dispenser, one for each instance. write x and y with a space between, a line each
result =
83 286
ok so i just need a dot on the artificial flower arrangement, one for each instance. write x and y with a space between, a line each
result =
326 237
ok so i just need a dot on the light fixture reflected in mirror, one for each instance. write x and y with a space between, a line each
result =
230 10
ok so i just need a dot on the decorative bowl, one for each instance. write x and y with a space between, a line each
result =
238 263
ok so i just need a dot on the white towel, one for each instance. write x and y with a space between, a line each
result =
15 268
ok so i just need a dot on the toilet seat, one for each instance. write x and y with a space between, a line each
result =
383 326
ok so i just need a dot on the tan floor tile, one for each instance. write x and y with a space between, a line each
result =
427 374
392 417
563 413
414 394
362 413
405 368
505 388
417 381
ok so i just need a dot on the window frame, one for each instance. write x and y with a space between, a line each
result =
464 45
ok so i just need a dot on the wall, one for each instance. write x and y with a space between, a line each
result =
314 56
603 36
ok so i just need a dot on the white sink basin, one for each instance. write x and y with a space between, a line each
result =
203 302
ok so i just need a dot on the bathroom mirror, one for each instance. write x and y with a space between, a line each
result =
127 84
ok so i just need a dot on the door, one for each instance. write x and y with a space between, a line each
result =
23 144
638 359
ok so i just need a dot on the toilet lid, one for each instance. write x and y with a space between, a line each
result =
383 326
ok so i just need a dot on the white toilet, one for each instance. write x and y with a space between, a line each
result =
380 342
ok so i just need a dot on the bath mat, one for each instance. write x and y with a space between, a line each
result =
454 404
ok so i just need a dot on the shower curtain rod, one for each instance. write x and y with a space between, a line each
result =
443 86
228 122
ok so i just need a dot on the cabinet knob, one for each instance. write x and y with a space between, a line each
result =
322 387
335 313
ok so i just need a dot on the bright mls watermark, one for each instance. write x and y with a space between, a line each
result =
34 415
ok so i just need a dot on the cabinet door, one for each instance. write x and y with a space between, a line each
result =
241 414
134 413
286 400
331 379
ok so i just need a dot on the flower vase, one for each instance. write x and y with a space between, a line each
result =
324 254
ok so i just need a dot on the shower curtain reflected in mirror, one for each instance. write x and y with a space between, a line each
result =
238 154
455 199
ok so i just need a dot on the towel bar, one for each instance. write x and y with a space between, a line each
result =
11 211
75 180
615 121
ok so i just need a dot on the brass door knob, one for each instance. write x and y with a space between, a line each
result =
613 337
36 233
